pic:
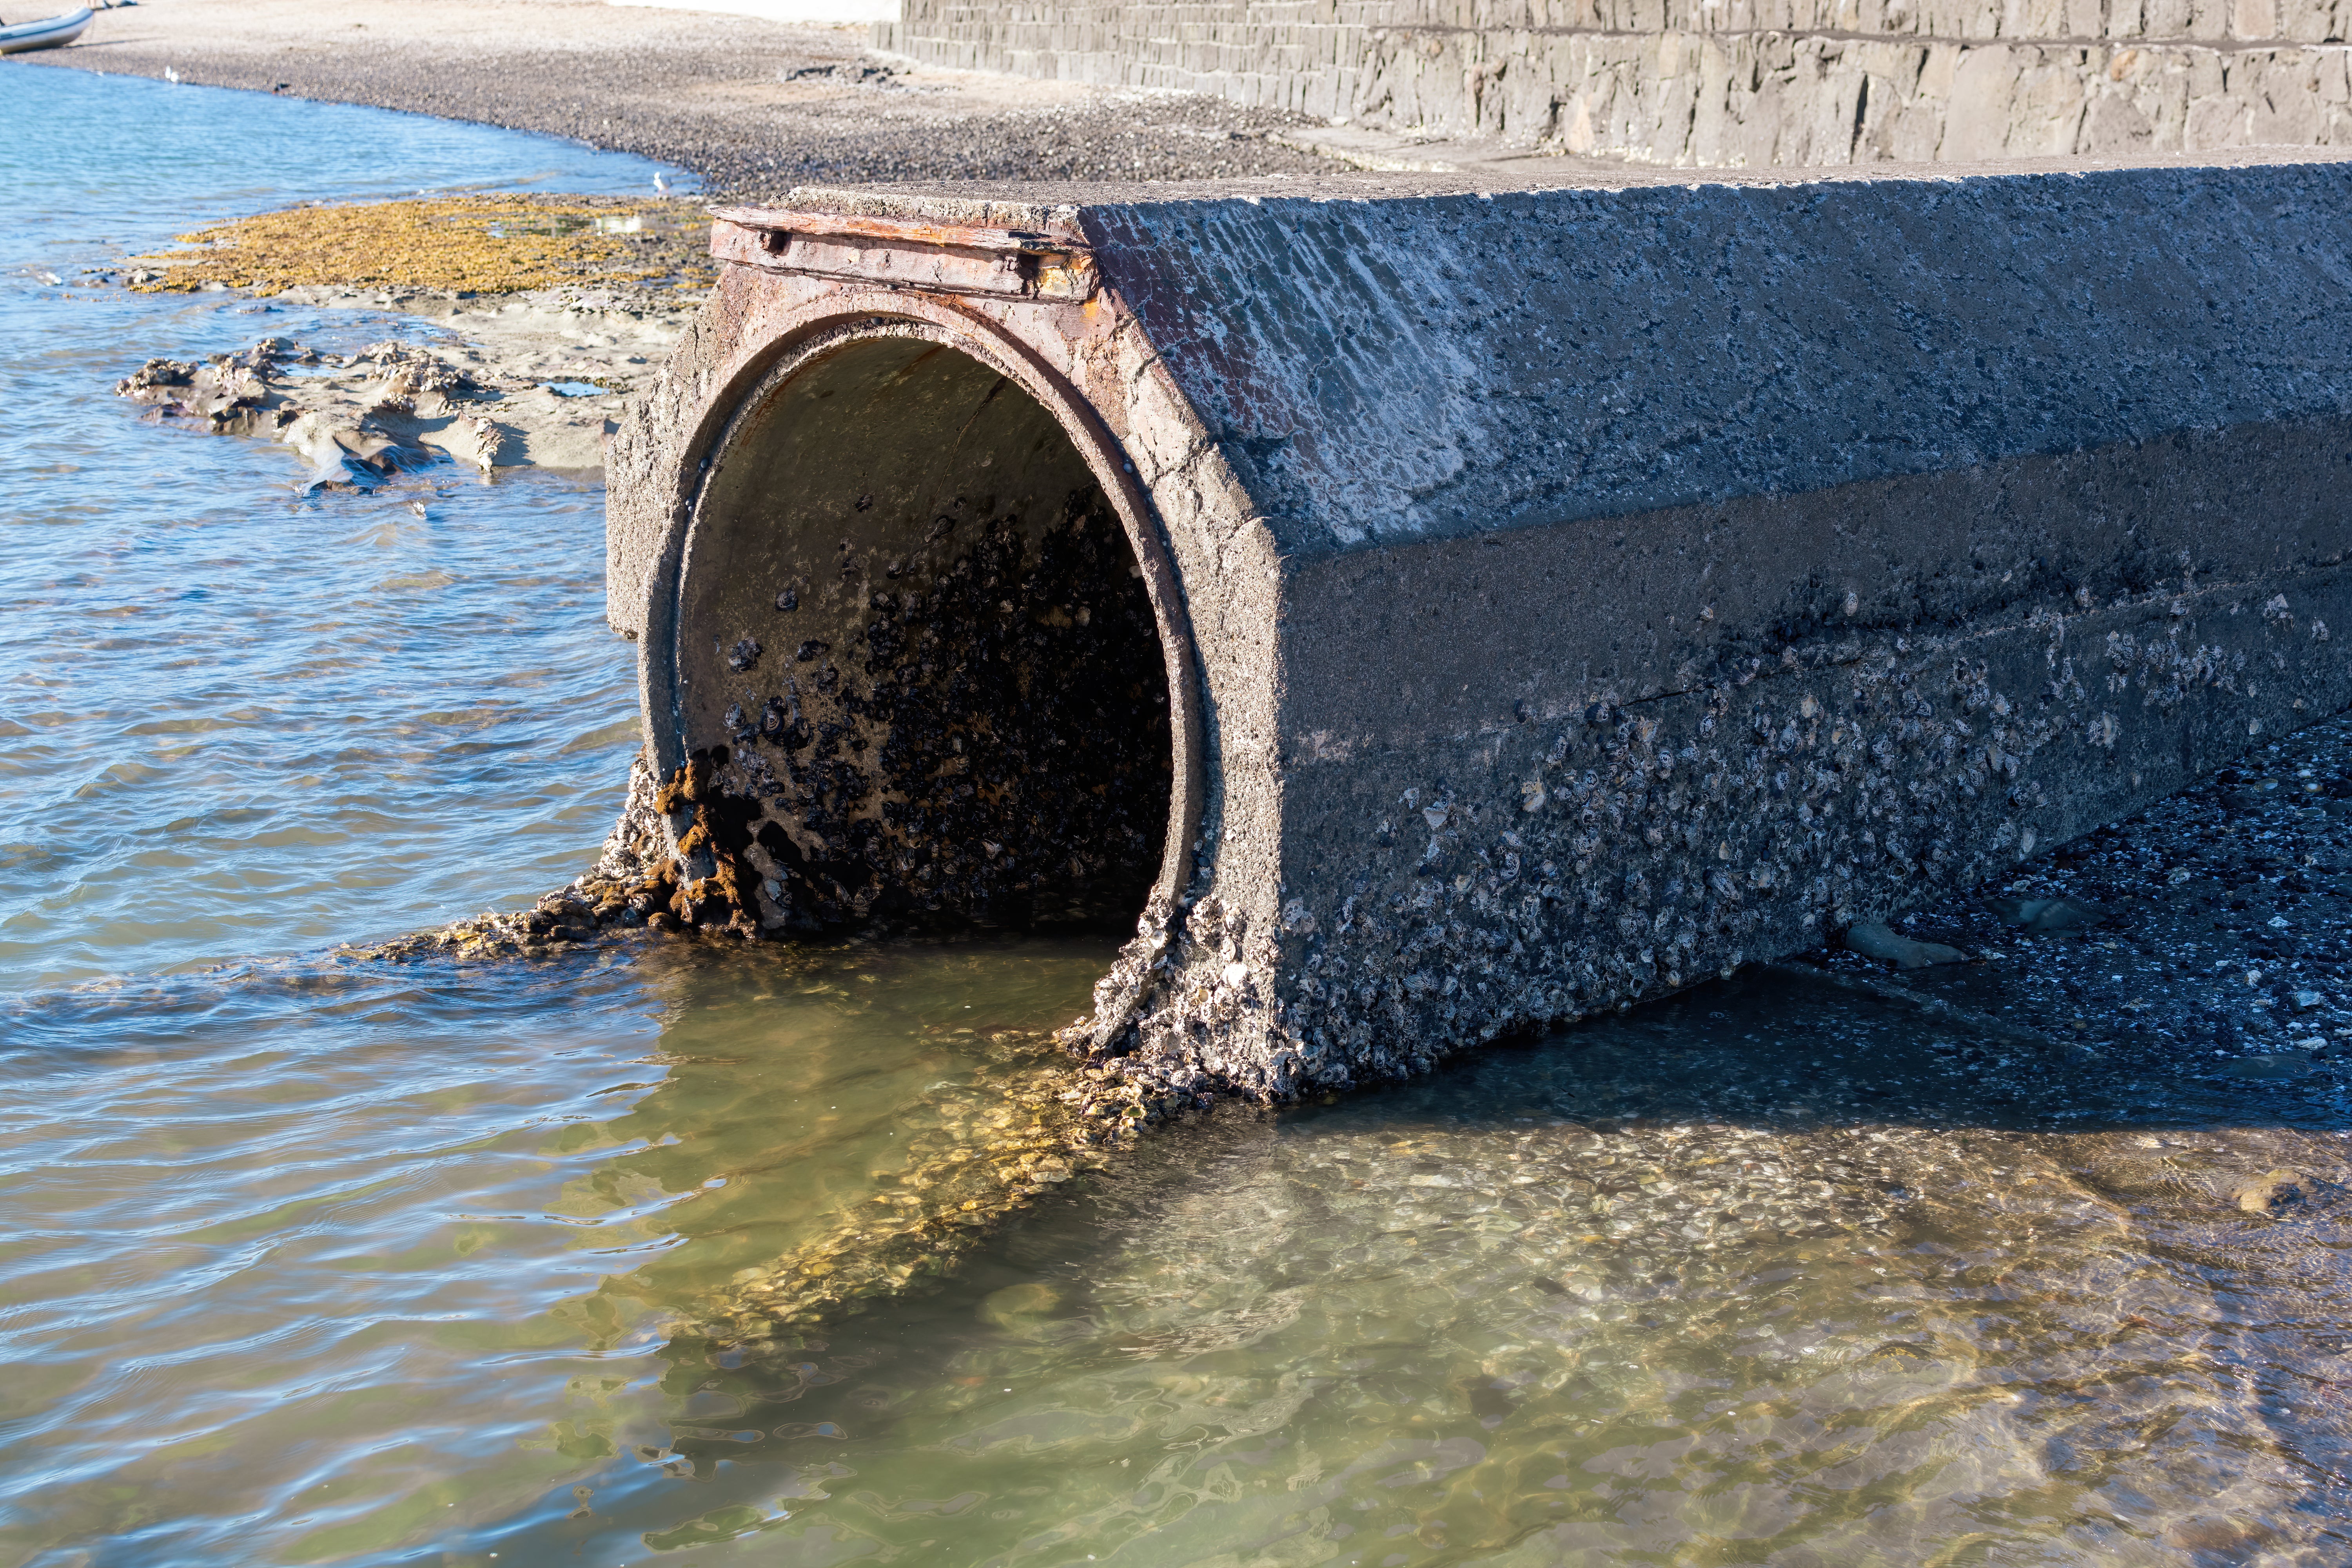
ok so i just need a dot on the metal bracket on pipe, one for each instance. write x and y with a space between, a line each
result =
946 257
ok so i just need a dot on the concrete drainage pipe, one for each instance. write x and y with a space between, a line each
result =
1440 609
916 648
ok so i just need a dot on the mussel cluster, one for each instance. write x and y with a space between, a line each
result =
986 740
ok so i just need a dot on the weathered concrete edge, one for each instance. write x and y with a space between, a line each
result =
762 323
1215 996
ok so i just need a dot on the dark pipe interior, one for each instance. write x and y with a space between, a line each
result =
917 651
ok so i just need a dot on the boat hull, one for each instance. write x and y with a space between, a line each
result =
50 33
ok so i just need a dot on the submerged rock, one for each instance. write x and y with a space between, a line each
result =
358 419
1875 939
2270 1193
1028 1121
2045 916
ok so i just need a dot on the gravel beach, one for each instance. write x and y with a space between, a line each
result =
2209 936
753 107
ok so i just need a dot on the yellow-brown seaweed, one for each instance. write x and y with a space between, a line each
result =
463 245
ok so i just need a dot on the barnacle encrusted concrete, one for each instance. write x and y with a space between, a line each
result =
1515 602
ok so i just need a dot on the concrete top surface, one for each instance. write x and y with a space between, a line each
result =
1017 204
1399 356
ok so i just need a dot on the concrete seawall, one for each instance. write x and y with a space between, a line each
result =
1543 598
1706 84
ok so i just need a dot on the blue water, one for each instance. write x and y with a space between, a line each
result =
236 719
305 1260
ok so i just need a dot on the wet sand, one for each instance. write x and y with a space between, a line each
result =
753 107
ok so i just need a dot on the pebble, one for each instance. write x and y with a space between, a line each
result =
2222 937
2268 1192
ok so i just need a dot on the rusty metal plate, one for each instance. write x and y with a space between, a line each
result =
938 257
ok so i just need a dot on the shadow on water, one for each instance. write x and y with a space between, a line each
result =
1770 1273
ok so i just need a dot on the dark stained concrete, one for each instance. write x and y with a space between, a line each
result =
1571 590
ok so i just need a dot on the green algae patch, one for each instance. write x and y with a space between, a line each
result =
1028 1120
1022 1112
461 244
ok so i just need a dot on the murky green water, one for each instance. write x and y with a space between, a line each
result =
312 1262
1765 1276
331 1266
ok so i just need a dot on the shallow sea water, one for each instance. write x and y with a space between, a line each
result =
307 1261
241 719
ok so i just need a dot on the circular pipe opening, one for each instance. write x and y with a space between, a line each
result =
919 671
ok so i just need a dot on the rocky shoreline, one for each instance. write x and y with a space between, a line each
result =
532 381
537 317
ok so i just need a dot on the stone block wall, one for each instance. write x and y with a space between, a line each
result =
1712 83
